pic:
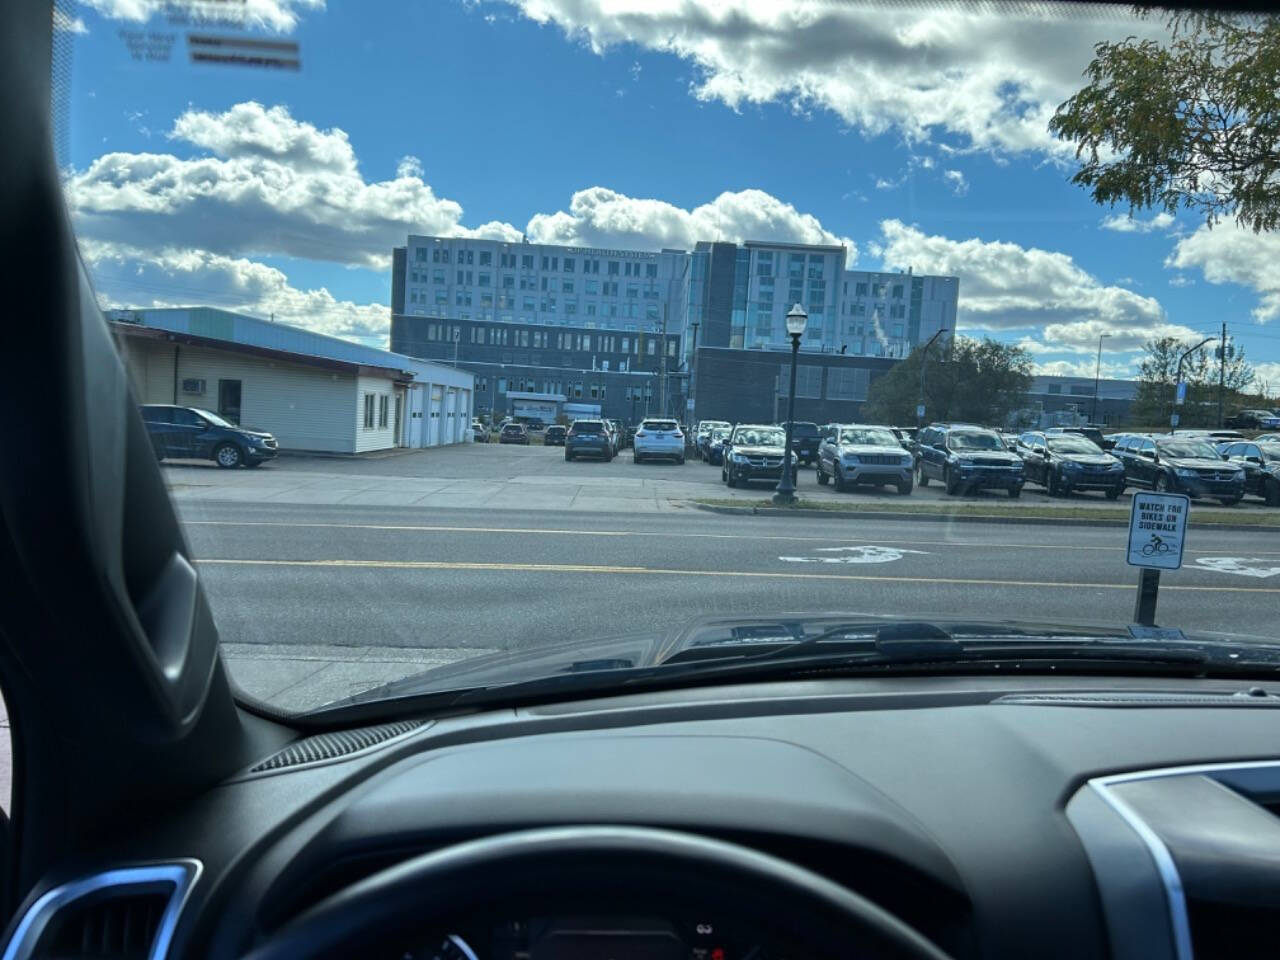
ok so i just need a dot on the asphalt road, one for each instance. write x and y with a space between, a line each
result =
422 578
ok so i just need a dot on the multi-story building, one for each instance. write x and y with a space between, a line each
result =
887 314
459 278
531 371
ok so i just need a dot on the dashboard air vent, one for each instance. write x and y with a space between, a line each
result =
105 926
330 746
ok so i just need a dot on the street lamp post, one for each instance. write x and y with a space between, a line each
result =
1173 418
693 366
924 363
797 320
1097 372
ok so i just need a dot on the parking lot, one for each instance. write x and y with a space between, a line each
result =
536 477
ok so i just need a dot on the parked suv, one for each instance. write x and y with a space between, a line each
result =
703 436
1253 420
514 433
755 452
192 433
1089 432
658 438
1180 465
619 435
591 438
1261 465
804 440
851 454
1065 462
554 437
967 457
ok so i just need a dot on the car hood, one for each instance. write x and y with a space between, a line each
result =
702 635
1002 455
1198 463
253 432
871 449
758 451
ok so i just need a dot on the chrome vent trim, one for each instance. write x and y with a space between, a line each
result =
1235 699
336 745
181 875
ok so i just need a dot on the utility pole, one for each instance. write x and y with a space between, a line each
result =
1222 370
1097 372
693 367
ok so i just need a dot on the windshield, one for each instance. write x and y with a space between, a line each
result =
357 228
1269 451
1186 448
1073 445
869 436
974 441
213 418
759 437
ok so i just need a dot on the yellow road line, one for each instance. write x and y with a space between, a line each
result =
429 528
662 571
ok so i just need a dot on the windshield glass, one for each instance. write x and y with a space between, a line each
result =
213 418
759 437
869 436
973 440
1269 451
357 228
1073 445
1186 448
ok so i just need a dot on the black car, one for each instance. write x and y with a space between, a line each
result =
755 452
1180 465
1261 465
805 438
554 437
591 438
192 433
1065 462
713 445
965 456
514 433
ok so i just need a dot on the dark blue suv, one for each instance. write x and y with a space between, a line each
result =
191 433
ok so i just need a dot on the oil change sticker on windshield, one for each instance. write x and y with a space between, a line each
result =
1157 530
863 554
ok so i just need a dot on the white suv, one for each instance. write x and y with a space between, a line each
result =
659 438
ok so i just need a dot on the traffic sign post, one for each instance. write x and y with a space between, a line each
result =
920 411
1157 532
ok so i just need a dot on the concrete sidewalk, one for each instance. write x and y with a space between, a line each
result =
607 493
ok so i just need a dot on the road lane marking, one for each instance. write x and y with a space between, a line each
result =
859 554
432 528
1242 566
662 571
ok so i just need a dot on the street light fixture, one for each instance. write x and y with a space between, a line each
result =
797 320
1097 371
924 363
1177 382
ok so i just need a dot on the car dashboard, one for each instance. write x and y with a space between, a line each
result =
996 817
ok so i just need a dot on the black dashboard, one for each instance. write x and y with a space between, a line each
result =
1039 817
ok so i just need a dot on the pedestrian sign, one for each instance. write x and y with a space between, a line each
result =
1157 530
1181 398
919 410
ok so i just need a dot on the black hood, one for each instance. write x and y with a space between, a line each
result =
702 635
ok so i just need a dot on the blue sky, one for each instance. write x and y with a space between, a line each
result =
635 123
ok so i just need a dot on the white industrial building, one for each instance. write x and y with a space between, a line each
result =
313 392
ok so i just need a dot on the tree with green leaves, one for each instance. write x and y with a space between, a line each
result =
981 381
1157 383
1191 123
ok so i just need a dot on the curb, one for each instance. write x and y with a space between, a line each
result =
959 517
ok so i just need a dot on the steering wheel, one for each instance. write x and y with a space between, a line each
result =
808 912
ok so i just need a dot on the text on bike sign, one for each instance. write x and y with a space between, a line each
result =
1157 530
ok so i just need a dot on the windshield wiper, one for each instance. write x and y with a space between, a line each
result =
895 648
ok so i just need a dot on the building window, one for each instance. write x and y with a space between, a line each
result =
633 291
442 298
897 291
593 286
611 288
486 299
528 304
859 289
486 258
508 282
568 264
613 268
590 309
435 255
462 298
526 261
420 253
507 260
566 286
897 330
383 403
651 270
570 307
484 279
368 410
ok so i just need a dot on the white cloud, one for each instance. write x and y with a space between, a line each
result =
409 166
1267 375
988 77
1181 280
133 277
1085 368
1230 254
274 186
956 181
1006 287
66 23
599 216
277 15
1122 223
